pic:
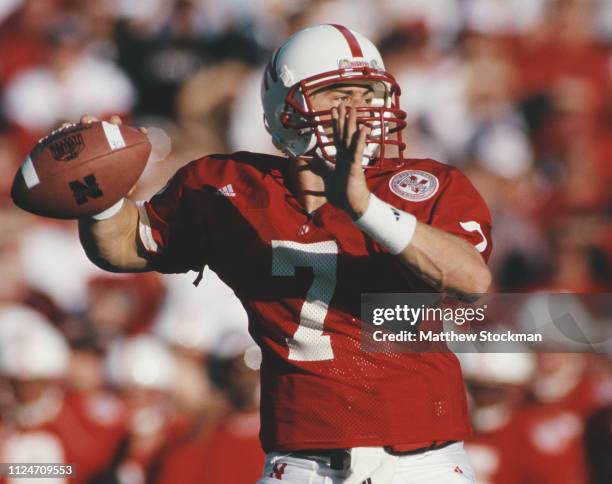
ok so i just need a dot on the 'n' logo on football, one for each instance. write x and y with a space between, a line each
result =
67 148
84 191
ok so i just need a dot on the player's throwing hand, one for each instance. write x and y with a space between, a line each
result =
345 182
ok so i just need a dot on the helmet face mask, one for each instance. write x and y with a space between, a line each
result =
296 73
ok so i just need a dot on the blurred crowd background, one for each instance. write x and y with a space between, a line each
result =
142 378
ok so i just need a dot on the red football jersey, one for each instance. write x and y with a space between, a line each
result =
553 433
494 455
229 453
73 435
300 278
539 444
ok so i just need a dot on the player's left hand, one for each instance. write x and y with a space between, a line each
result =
345 182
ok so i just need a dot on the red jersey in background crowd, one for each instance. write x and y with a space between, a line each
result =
552 431
73 429
215 450
542 442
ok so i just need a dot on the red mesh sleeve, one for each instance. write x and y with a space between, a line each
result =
461 211
173 223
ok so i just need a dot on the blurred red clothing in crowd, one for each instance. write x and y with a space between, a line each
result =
69 429
125 305
494 454
229 452
23 38
543 441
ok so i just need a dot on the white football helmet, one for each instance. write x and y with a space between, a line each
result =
498 368
30 346
323 56
141 362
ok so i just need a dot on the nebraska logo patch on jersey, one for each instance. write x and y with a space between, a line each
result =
414 185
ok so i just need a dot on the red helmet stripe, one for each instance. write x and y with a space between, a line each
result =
350 38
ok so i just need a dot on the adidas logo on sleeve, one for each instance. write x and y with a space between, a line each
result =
226 191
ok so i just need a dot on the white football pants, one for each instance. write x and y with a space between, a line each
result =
372 465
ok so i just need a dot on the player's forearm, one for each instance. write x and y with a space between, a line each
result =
446 261
111 243
443 260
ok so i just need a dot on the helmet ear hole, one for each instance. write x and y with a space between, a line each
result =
275 141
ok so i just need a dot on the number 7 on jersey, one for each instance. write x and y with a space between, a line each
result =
309 343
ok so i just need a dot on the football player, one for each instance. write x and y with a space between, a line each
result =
497 386
45 421
299 239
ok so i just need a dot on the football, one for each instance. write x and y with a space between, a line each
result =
80 170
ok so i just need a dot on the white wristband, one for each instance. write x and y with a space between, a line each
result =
110 211
389 226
